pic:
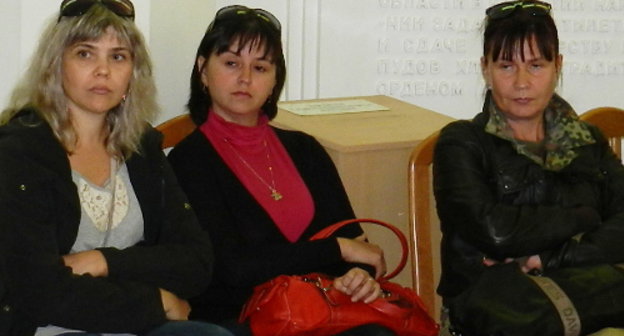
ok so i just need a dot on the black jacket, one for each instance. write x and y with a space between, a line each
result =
496 203
249 248
39 219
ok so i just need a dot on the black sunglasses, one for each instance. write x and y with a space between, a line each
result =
504 9
123 8
242 10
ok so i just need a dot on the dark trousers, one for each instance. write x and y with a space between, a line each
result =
182 328
365 330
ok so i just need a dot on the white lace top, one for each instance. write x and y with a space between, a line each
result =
108 222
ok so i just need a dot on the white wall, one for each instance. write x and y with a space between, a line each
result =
175 35
424 52
10 52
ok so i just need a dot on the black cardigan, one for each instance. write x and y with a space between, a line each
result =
40 215
249 248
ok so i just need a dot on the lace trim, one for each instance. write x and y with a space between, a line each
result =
96 203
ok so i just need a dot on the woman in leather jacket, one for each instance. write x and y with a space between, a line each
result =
525 181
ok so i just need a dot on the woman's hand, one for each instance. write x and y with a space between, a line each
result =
357 251
359 285
527 264
363 237
175 308
91 261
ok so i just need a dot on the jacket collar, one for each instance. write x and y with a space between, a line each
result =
564 132
35 139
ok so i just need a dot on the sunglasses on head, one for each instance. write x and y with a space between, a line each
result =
123 8
505 9
242 10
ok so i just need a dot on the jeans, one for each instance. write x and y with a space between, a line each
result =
364 330
181 328
368 330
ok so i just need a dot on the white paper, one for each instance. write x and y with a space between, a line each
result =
332 107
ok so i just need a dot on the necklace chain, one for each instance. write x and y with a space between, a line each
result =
276 195
111 206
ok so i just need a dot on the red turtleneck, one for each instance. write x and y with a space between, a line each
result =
250 152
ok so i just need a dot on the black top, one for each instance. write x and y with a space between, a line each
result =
249 247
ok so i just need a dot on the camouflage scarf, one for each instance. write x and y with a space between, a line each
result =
563 133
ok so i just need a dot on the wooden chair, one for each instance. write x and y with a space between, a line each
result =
610 120
420 223
176 129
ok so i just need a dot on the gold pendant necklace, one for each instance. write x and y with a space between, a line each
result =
276 195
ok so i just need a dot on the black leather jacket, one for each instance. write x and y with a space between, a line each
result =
495 203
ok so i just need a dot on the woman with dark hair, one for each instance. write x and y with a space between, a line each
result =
96 235
525 181
259 191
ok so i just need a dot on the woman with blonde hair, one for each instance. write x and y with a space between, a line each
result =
97 235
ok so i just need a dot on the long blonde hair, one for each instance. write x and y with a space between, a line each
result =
41 87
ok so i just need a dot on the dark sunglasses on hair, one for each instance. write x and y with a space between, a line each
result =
504 9
242 10
123 8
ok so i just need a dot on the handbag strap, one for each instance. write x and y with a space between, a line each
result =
567 312
328 231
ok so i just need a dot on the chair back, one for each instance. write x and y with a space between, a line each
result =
176 129
610 120
420 222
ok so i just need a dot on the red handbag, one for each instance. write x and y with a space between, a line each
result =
308 305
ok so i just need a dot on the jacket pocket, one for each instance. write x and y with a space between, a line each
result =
520 183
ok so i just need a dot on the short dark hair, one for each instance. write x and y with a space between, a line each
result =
245 28
504 36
